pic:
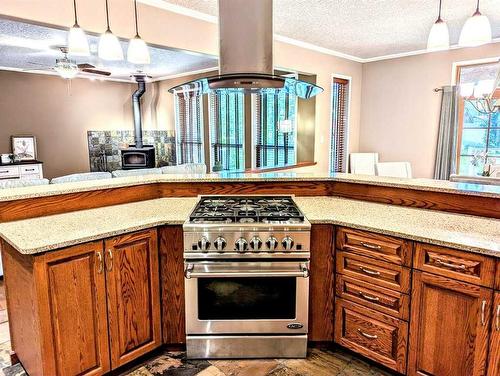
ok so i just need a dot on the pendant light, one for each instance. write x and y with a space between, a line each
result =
476 30
439 37
137 52
77 40
109 45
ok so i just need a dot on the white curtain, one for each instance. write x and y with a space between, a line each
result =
447 137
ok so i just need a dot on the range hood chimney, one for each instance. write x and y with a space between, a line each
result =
246 54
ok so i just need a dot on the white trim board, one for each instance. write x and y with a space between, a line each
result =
280 38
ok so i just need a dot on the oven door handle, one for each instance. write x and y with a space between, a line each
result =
301 271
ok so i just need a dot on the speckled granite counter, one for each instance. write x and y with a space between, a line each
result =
416 184
475 234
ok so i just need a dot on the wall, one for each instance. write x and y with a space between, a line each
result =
400 111
60 115
165 28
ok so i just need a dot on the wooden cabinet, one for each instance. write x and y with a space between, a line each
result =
63 304
449 327
494 353
132 276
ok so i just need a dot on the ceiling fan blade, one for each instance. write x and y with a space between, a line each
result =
41 65
39 70
86 66
96 71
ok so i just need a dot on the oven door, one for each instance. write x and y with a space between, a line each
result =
224 297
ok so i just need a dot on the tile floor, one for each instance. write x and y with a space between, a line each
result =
319 362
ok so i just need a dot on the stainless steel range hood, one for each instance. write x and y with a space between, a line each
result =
246 54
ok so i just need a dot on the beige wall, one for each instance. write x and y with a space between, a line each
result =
60 115
400 111
174 30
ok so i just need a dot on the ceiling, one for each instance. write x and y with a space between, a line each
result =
28 47
365 29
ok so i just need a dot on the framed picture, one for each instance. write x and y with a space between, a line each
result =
24 148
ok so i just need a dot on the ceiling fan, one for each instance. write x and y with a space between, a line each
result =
67 68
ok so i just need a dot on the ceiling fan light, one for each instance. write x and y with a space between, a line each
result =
66 69
77 42
138 52
439 37
109 47
476 31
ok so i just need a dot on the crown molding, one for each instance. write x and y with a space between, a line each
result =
184 74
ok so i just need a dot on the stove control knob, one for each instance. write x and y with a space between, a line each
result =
272 243
287 243
241 245
255 243
203 244
220 243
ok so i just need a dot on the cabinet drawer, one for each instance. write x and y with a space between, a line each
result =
372 334
464 266
9 172
382 247
381 299
376 272
30 169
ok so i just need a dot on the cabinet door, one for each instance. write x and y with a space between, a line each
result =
449 327
494 357
133 295
73 311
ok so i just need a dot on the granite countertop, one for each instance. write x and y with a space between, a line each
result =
469 233
85 186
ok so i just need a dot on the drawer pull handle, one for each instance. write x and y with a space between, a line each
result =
368 271
366 335
451 266
483 313
371 246
100 266
109 261
497 324
369 297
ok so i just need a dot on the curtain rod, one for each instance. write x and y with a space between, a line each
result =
438 89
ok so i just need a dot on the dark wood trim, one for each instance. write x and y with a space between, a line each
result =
448 202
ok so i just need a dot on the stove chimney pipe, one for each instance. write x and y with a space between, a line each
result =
136 105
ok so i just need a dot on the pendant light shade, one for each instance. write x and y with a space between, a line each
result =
109 45
137 52
476 30
439 37
77 40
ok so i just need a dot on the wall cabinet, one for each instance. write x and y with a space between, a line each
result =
449 326
72 297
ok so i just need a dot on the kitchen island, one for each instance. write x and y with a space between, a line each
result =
383 276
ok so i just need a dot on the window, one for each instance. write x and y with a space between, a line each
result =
189 128
227 131
339 129
478 131
274 124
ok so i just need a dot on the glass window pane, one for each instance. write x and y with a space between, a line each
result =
474 118
467 168
473 141
494 142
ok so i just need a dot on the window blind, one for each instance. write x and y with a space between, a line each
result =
274 148
227 131
189 128
339 131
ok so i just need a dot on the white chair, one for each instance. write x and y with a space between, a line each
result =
84 176
18 183
363 163
187 168
136 172
393 169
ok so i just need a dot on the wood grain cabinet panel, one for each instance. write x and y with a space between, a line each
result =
381 299
379 337
464 266
449 329
381 247
494 353
379 273
77 310
132 273
172 284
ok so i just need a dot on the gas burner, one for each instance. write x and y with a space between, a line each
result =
247 207
246 220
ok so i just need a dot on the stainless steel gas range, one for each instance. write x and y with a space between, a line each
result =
246 278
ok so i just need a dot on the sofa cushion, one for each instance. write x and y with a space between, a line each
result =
136 172
187 168
85 176
17 183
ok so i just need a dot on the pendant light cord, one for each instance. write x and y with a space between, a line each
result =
439 15
477 13
136 26
74 9
107 16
